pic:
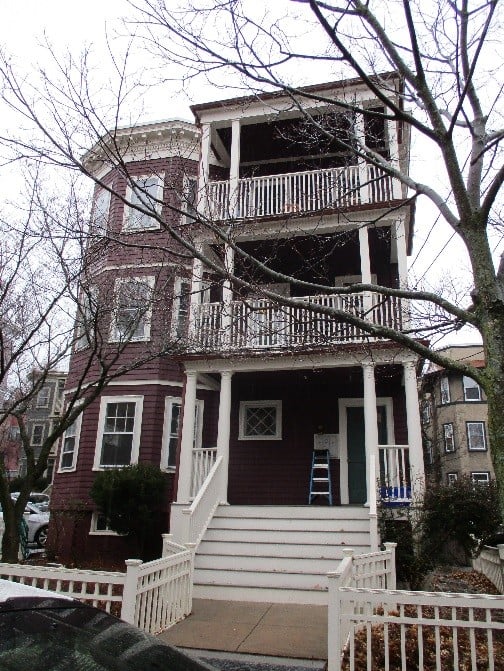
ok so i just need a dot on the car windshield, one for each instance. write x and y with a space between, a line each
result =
51 635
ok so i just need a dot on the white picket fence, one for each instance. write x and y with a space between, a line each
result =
490 562
373 626
152 595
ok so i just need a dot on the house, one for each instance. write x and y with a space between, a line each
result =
273 422
454 420
40 415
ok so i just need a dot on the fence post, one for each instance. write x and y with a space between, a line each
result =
336 579
500 548
392 578
167 538
129 598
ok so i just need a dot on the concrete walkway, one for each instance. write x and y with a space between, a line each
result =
276 630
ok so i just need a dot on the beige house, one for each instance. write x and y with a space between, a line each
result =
454 421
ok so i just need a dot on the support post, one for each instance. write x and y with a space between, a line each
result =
392 576
234 170
223 429
204 167
129 596
370 425
187 442
417 473
365 262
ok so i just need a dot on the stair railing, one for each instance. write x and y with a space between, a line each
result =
197 517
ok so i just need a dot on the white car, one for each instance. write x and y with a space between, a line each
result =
38 524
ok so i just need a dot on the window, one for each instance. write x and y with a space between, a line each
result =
181 306
100 526
133 310
118 438
476 436
481 477
145 193
86 318
451 478
43 397
429 454
69 446
445 390
426 412
58 396
173 417
190 199
449 442
260 420
37 436
472 390
100 215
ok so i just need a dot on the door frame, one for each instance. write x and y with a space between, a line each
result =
343 404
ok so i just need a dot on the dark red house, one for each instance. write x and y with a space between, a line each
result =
274 419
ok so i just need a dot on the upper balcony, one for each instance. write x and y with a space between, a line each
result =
302 193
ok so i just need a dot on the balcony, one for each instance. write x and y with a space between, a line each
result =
264 324
301 192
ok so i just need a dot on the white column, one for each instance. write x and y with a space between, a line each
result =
361 161
187 442
223 428
365 262
394 155
414 428
204 168
402 253
195 298
227 296
234 169
370 424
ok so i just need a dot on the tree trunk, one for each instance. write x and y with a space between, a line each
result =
10 540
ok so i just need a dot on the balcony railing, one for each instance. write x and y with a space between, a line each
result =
394 477
262 324
310 191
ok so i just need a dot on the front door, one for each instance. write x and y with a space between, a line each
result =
356 450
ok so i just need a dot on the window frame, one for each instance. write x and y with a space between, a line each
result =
86 317
245 405
483 433
170 402
444 390
472 385
93 531
100 215
426 413
68 469
136 433
451 435
46 388
130 213
180 317
189 206
40 425
147 280
451 478
476 480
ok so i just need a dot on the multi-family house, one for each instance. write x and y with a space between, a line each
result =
454 420
42 412
275 420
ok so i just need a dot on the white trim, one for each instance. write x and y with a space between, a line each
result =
100 215
472 385
170 401
478 480
343 404
45 388
210 385
137 428
129 266
444 390
244 405
68 469
130 213
148 281
42 437
476 449
182 288
103 532
449 434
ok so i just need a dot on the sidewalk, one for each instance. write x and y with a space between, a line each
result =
272 629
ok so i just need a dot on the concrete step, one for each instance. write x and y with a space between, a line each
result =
261 594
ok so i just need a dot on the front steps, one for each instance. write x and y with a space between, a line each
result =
278 554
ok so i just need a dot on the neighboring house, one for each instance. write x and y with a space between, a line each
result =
234 418
454 420
43 410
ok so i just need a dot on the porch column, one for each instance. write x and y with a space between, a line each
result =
187 442
365 262
360 136
234 169
227 295
394 156
399 233
370 424
417 472
223 429
195 298
204 168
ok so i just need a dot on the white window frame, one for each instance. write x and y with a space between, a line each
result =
76 426
86 317
245 405
93 531
135 221
429 452
470 384
448 434
101 212
137 430
43 396
426 412
189 188
180 318
444 390
170 402
115 336
59 395
483 433
476 479
32 442
452 477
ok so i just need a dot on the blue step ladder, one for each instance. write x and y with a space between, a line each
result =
320 478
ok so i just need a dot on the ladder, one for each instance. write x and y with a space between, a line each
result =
320 478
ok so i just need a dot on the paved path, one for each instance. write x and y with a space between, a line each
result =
277 630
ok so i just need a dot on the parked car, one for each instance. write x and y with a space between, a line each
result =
38 524
38 499
43 631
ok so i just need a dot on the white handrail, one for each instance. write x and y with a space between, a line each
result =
203 507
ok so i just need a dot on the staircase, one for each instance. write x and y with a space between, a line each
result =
278 554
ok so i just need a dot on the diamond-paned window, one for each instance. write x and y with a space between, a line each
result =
260 420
